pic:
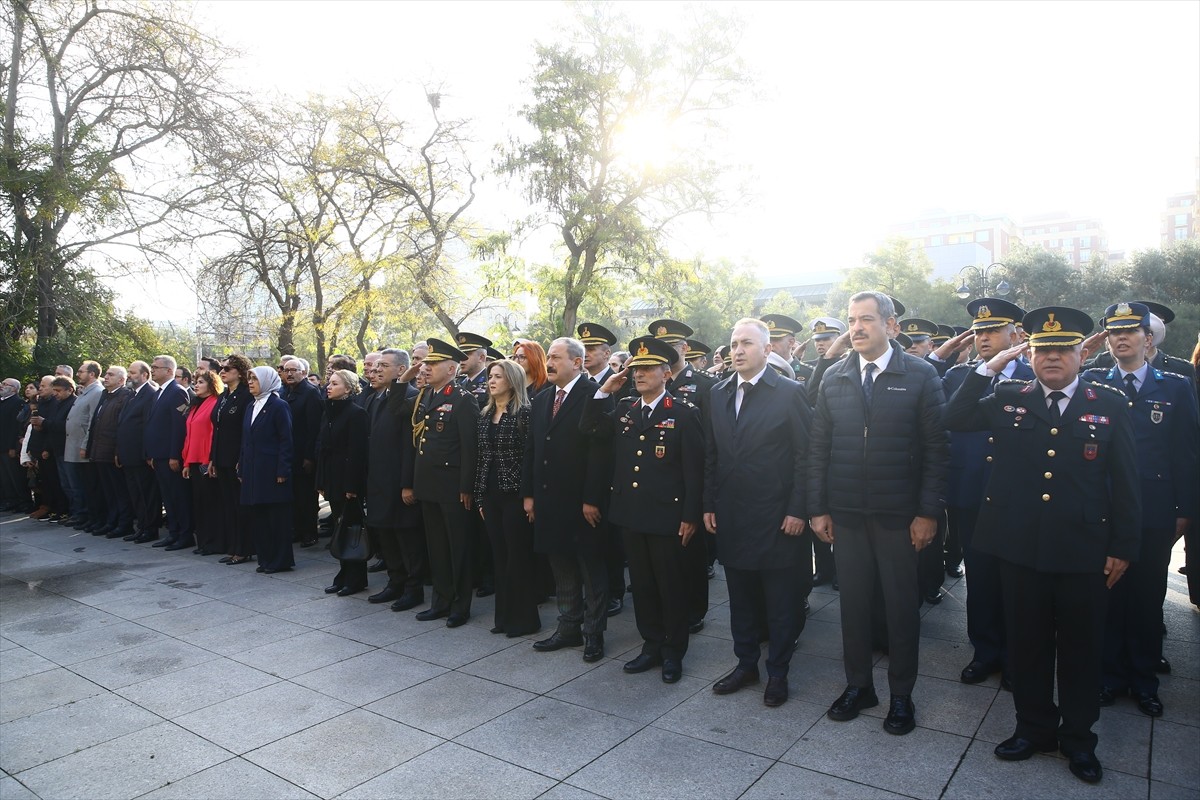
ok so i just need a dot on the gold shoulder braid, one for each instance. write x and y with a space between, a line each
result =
418 428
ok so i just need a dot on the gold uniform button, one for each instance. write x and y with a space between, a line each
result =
1045 498
426 416
1054 431
639 452
989 459
1049 475
991 440
637 469
1050 453
635 484
642 438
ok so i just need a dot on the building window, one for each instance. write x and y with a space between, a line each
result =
1085 255
1181 219
935 241
1085 241
1180 234
983 236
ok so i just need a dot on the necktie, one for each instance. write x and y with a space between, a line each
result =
646 412
869 382
559 396
995 380
1055 413
743 392
1130 389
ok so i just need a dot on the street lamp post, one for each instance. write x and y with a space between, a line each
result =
964 291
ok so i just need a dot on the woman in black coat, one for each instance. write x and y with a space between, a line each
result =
342 468
227 419
503 428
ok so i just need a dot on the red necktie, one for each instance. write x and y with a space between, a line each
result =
559 396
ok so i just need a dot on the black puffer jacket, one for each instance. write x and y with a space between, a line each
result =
892 461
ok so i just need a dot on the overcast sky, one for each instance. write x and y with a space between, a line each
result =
866 114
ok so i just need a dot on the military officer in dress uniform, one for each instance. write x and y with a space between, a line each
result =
1062 512
697 354
1165 428
598 342
920 332
993 331
658 479
473 371
1160 317
493 355
824 331
783 341
445 427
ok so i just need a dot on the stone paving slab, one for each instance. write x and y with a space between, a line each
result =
128 672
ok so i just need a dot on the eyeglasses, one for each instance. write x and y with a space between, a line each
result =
226 369
290 369
519 357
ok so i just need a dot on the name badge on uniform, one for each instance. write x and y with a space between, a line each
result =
660 451
1090 451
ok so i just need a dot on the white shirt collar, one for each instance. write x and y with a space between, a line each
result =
753 380
1139 374
571 385
1069 391
653 404
880 363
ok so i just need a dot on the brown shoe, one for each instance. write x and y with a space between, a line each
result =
40 513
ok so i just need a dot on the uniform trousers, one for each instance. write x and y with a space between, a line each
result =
657 564
206 513
1055 616
1133 626
985 606
614 562
447 536
271 526
770 600
143 497
176 499
119 514
403 553
875 553
581 588
695 565
513 564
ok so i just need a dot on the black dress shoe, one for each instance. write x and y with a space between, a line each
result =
978 671
332 589
642 663
1109 695
225 560
430 614
1084 765
496 629
696 626
1163 667
820 579
259 568
455 620
902 716
346 591
615 606
776 693
388 595
852 701
1149 704
407 601
593 647
96 529
163 543
273 571
933 598
487 590
557 641
955 571
1019 749
180 546
136 537
377 565
736 680
197 552
117 534
672 670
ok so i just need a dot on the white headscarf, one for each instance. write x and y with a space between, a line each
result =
268 383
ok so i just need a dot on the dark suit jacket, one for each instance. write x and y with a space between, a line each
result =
131 426
54 427
390 456
166 424
228 425
307 407
266 454
102 437
1060 498
755 469
563 469
10 409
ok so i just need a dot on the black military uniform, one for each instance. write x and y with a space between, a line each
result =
445 429
697 350
658 479
1063 497
781 326
477 386
481 549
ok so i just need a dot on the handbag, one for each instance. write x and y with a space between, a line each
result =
349 541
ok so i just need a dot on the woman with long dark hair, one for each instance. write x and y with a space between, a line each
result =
503 429
227 416
342 469
197 463
265 467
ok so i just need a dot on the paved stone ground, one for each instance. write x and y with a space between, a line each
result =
128 672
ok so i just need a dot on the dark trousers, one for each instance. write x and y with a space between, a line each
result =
206 511
116 494
770 600
695 576
931 563
14 488
657 573
513 565
614 563
482 567
1191 544
447 536
581 588
93 493
953 549
985 606
235 533
823 561
271 526
304 506
143 497
871 549
176 499
353 572
51 486
1055 616
1133 627
403 551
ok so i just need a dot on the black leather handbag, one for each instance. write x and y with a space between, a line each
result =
349 541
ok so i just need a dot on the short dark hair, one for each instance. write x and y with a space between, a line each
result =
341 361
63 382
92 367
887 309
402 359
187 373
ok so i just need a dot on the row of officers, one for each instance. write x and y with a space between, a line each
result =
1066 483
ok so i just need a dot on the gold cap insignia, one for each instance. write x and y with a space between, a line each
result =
770 324
983 313
643 350
462 340
820 327
1051 325
586 333
1123 310
662 331
912 326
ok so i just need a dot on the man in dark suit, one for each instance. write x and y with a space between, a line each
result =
14 494
1062 511
1166 431
102 451
877 476
754 501
992 332
444 482
565 485
144 497
166 428
305 403
658 481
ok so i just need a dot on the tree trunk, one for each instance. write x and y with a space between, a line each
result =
287 327
45 272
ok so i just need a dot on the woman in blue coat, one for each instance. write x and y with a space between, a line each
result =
265 469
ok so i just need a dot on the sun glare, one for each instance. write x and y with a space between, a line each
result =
646 141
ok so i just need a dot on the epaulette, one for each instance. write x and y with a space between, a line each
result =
684 401
1012 382
1174 375
1106 387
626 399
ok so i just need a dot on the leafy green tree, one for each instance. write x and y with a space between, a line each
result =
1170 276
904 272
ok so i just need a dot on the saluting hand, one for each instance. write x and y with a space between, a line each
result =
800 349
1092 343
615 381
956 345
1001 359
840 345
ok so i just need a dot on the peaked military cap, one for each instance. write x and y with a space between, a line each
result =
670 330
443 351
945 333
1123 316
494 355
696 349
649 351
917 329
594 333
993 312
1159 310
468 342
826 327
899 306
904 341
1057 326
780 325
